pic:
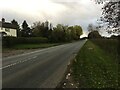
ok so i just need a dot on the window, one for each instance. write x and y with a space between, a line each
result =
7 29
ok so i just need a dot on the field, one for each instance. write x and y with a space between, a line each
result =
96 65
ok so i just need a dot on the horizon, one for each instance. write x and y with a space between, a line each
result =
70 12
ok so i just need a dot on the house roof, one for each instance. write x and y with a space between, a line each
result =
7 25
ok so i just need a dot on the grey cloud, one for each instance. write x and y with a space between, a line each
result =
75 13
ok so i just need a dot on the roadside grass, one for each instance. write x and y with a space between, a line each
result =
25 48
94 67
34 46
109 46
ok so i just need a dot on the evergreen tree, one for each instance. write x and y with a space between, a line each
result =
16 25
26 31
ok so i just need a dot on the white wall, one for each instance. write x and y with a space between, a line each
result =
10 32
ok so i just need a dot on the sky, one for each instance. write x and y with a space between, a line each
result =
67 12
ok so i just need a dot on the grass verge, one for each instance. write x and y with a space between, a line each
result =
24 48
33 46
94 67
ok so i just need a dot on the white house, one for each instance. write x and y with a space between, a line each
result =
7 29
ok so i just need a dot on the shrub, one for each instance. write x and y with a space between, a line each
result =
94 35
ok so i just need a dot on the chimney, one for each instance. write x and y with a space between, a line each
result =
3 20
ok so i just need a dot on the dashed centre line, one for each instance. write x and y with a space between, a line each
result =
21 61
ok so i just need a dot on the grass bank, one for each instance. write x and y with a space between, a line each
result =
96 65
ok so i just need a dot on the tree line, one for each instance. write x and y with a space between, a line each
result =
59 33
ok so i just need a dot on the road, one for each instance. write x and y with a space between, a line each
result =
38 69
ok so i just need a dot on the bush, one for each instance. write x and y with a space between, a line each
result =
11 41
94 35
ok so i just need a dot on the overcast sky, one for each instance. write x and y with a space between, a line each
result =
68 12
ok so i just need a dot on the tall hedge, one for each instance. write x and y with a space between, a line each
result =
11 41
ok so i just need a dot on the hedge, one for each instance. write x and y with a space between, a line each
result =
11 41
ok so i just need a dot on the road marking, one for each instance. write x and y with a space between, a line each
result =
22 61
